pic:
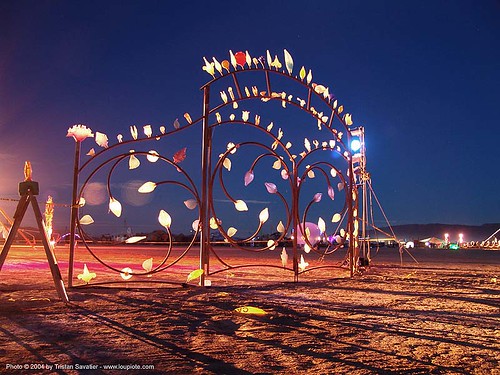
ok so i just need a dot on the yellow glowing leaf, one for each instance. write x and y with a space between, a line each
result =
86 275
342 232
126 273
240 205
231 231
333 172
264 215
277 164
271 244
311 174
270 126
348 119
307 248
284 257
190 203
115 207
194 275
86 220
101 139
280 228
81 202
148 264
227 164
164 219
135 239
250 310
321 225
148 131
302 73
288 62
303 264
213 223
147 187
133 162
341 108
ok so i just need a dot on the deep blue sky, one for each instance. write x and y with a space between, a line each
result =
422 77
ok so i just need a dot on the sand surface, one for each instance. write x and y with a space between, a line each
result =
440 316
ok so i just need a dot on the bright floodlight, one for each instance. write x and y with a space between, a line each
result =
355 145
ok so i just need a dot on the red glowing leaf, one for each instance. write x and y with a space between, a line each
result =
241 58
180 155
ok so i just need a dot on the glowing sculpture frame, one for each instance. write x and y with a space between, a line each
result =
292 166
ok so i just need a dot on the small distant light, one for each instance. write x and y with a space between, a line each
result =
355 145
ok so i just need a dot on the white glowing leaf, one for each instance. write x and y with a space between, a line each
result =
153 156
233 59
340 186
219 118
133 131
317 197
86 275
193 275
270 126
245 115
231 146
162 129
135 239
269 59
223 96
133 162
81 202
218 66
264 215
119 137
148 131
115 207
86 220
101 139
148 264
190 203
248 59
232 117
342 232
277 164
248 177
213 223
126 273
333 172
164 219
257 120
303 264
231 231
271 188
309 77
284 174
147 187
311 174
227 164
288 145
240 205
288 62
284 258
280 228
271 244
307 144
307 248
331 193
195 225
321 225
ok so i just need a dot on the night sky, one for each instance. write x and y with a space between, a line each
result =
423 78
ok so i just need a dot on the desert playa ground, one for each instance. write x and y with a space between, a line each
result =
438 316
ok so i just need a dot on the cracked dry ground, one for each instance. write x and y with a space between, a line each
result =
390 320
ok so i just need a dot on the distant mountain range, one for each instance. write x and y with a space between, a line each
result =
421 231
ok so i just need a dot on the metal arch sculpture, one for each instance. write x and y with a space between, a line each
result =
296 169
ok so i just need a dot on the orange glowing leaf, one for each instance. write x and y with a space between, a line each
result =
187 116
225 65
180 155
194 275
91 152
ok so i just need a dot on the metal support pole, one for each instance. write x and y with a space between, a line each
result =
74 214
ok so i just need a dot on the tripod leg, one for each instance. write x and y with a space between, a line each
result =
54 268
18 218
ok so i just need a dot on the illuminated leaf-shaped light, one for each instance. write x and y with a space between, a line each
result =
223 96
264 215
331 193
348 119
240 205
133 162
302 73
271 188
126 273
135 239
231 92
133 131
233 59
284 174
225 65
193 275
270 126
341 109
271 244
311 174
164 219
119 138
195 225
231 231
309 77
277 164
232 117
147 187
333 172
81 202
162 129
219 118
153 156
86 275
342 232
248 177
180 155
257 120
303 264
231 146
190 203
250 310
79 132
284 258
86 220
177 124
91 152
148 131
115 207
307 248
280 228
276 63
213 223
187 116
208 67
101 139
245 115
248 59
317 197
307 144
269 59
321 225
288 62
227 164
218 66
288 145
148 265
